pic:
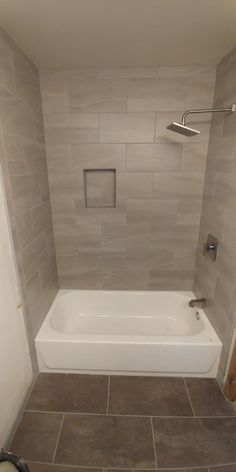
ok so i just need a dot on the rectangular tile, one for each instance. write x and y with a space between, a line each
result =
69 393
77 237
98 156
71 128
41 217
189 211
67 186
106 441
16 118
192 442
100 188
154 157
25 192
201 88
13 147
134 185
208 399
38 467
142 255
119 236
99 95
151 210
126 127
33 255
194 157
225 192
6 68
81 281
34 158
26 81
36 436
153 396
223 468
54 96
157 94
178 185
24 228
126 280
170 280
188 469
59 160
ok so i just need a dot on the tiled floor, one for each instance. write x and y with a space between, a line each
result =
74 423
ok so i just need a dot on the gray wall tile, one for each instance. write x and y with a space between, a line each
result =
216 280
24 167
116 118
126 127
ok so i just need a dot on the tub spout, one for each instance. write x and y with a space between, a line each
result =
197 302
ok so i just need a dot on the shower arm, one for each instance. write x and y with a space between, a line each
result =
207 110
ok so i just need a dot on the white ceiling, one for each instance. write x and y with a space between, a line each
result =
94 33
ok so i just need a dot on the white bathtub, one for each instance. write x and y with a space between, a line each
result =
152 333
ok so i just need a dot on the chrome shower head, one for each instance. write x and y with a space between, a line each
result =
182 129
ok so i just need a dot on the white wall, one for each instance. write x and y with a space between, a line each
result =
15 364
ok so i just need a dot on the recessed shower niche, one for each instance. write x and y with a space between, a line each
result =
100 188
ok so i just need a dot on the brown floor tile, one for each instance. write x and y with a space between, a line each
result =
34 467
131 470
154 396
194 442
106 441
223 468
70 393
36 436
208 399
202 469
196 469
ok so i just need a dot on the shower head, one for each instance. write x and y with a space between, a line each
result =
182 129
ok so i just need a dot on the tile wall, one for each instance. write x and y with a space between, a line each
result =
117 118
24 167
217 280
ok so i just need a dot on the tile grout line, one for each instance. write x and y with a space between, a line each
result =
108 393
190 401
153 440
129 416
59 434
159 469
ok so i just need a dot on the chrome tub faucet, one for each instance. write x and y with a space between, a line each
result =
197 302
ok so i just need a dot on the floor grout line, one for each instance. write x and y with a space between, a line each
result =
133 468
153 439
59 434
190 401
108 393
129 416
